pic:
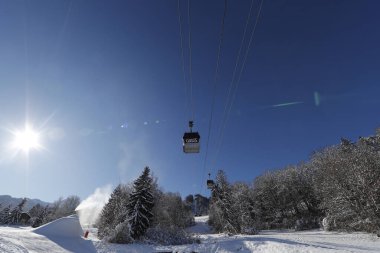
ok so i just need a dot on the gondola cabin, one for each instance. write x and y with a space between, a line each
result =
210 184
191 142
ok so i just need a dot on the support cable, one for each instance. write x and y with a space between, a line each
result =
190 61
233 88
221 38
188 106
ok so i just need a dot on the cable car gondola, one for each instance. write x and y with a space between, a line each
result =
210 183
191 140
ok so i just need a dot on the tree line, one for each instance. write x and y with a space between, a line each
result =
38 214
143 212
337 189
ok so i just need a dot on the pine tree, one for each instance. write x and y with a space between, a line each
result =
141 204
5 215
114 212
16 212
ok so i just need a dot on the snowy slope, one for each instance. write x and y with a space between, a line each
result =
201 226
64 235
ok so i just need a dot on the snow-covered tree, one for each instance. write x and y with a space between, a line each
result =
69 205
121 233
348 181
140 204
242 208
61 208
5 215
171 211
37 214
285 196
201 204
221 214
189 199
14 216
113 214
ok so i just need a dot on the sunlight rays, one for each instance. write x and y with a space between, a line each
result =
26 140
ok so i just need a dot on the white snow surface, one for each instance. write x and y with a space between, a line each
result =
64 235
63 227
201 226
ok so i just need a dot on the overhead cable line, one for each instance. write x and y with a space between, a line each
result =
221 36
246 56
219 143
182 55
234 86
190 61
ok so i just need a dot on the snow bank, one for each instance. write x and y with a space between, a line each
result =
63 227
66 233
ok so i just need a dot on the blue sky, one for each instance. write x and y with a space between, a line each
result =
79 70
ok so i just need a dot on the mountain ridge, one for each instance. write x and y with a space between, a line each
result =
6 200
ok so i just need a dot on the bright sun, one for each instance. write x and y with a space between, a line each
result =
26 140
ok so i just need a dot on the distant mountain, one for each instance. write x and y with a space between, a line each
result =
6 200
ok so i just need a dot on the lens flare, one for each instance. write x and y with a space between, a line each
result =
287 104
26 140
317 99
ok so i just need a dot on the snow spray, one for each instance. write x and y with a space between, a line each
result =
90 208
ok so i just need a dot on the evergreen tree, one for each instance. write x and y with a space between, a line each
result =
16 212
114 212
141 204
5 215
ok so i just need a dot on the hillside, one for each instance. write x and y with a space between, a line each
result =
6 200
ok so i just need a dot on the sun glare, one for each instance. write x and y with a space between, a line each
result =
26 140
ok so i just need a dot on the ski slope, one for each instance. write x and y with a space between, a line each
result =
64 235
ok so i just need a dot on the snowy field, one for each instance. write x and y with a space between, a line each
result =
64 235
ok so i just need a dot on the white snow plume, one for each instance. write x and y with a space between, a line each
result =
90 208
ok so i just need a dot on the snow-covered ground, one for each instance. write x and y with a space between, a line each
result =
64 235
